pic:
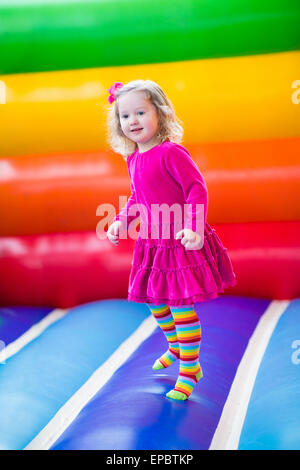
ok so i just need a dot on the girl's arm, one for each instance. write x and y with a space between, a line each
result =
185 172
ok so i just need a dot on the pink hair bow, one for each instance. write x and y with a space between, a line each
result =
112 91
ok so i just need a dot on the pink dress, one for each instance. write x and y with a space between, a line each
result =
163 271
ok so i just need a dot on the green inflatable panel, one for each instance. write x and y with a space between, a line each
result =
45 35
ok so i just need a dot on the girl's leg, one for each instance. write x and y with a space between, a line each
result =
164 318
188 330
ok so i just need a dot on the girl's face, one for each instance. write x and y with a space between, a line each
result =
138 119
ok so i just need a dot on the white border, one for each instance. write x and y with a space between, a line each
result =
228 432
68 412
32 333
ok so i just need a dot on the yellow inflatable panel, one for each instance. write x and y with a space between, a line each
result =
218 100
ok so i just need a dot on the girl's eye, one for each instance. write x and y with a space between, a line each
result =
125 116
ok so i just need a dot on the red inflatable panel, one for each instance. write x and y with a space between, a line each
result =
266 258
67 269
62 270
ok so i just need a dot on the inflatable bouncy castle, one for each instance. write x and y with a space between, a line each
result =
75 354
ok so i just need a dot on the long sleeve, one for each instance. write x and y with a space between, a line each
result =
185 172
124 215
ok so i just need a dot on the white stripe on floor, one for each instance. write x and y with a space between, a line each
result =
67 413
33 332
228 432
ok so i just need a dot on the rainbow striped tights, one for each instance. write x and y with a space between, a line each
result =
182 329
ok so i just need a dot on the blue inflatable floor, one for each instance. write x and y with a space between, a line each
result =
70 360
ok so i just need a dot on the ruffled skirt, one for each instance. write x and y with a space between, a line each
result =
165 272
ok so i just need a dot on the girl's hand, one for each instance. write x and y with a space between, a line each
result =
191 240
113 232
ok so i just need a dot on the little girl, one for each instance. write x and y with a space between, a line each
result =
174 265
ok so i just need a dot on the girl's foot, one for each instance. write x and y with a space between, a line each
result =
166 359
188 331
184 386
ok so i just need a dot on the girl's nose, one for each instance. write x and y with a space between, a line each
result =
133 120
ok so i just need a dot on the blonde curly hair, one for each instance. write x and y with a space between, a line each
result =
170 127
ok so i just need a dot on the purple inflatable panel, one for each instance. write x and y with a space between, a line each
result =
131 411
15 320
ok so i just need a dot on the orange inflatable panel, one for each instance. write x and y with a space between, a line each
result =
247 181
67 269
